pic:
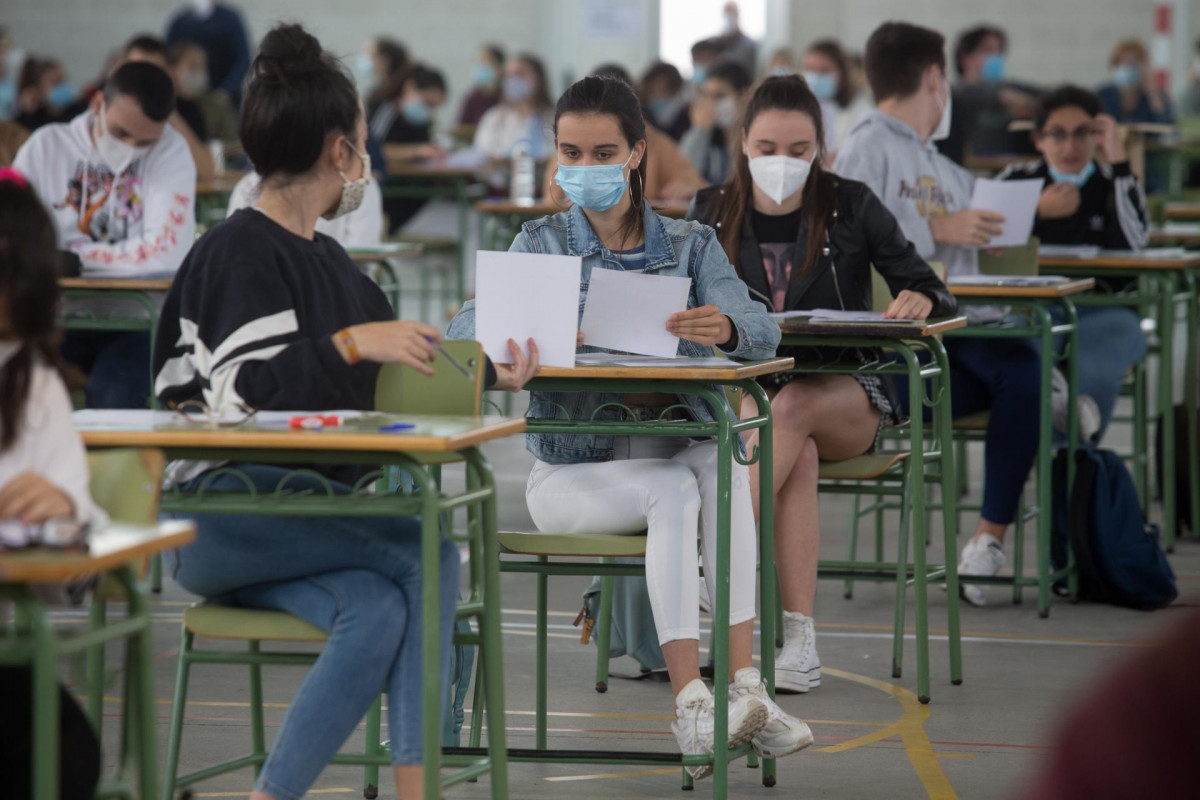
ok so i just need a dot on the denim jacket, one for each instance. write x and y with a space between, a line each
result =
673 247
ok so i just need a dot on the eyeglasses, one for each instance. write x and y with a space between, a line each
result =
1083 134
196 412
61 532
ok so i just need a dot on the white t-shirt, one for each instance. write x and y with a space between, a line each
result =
362 227
502 127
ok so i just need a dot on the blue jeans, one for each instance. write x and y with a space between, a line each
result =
358 579
1003 376
1110 342
118 366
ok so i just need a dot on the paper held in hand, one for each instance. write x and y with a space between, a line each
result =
527 295
628 311
1016 201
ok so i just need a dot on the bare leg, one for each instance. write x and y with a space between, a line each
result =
994 528
816 417
410 781
683 661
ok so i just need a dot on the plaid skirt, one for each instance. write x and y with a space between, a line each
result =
872 384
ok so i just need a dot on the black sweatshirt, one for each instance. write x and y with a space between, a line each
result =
1111 214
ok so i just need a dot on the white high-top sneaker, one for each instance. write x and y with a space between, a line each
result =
783 734
797 667
694 723
983 555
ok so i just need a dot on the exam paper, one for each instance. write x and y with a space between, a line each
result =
1068 250
527 295
835 315
1016 201
629 310
618 360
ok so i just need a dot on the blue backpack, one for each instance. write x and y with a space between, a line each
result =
1117 553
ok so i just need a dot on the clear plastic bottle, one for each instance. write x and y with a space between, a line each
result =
523 186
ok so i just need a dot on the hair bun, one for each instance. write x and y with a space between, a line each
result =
290 50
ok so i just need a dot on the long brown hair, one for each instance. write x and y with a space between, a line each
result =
782 93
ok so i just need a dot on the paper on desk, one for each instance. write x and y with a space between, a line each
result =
780 315
1006 280
1016 201
629 310
835 315
118 419
527 295
1068 250
619 360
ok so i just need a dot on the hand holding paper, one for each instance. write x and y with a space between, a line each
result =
1017 201
629 311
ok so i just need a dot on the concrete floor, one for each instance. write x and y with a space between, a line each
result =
977 740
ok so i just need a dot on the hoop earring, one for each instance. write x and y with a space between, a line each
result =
641 187
566 203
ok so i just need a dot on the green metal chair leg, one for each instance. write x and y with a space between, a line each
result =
45 704
901 579
778 615
97 618
477 701
1141 423
371 771
604 630
852 555
542 653
156 575
1018 550
175 727
258 736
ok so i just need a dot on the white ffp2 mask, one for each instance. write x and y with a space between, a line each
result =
779 177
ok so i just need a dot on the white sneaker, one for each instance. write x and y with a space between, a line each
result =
783 734
694 723
797 667
1087 409
983 555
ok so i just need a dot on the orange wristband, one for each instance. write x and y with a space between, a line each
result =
352 348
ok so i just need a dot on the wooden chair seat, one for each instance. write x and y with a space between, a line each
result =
596 545
861 468
249 624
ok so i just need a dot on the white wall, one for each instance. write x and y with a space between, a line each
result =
1051 40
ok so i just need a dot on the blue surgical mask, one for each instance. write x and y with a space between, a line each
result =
1126 75
597 187
484 75
63 94
364 67
664 109
783 72
1077 179
699 73
416 113
993 67
517 88
822 84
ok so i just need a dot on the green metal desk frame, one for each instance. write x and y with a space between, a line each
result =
429 503
726 431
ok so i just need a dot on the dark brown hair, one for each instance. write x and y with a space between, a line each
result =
541 95
29 286
615 98
898 54
296 95
834 52
972 39
778 93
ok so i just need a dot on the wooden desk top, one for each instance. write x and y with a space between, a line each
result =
737 370
117 284
1176 232
1182 210
890 330
1000 292
115 546
385 251
432 434
992 163
221 184
1116 260
544 208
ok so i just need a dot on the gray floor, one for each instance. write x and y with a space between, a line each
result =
978 740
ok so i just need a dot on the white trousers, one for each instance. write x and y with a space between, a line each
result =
666 486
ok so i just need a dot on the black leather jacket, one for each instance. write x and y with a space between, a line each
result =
863 233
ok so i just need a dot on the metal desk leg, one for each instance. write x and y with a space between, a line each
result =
45 699
720 629
944 432
1072 356
1191 401
920 522
1166 404
1045 458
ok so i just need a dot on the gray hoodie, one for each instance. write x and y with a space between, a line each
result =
915 182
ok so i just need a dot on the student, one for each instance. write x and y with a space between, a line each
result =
362 227
704 55
378 68
43 466
599 484
782 62
664 99
773 217
187 118
267 312
827 71
985 100
35 84
485 91
120 185
892 150
714 115
1087 203
187 65
219 29
1131 94
523 114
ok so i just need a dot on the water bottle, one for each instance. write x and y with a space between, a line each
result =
522 189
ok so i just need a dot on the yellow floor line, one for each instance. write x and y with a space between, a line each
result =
602 775
911 730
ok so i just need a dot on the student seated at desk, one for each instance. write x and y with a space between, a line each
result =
1131 95
43 466
268 313
1088 203
523 114
803 238
664 99
120 185
626 484
714 116
893 151
485 92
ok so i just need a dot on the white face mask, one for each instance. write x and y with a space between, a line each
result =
726 112
943 127
779 177
115 154
352 191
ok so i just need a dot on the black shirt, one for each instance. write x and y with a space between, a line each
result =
776 235
193 115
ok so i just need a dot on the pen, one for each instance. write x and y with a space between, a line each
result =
396 427
454 361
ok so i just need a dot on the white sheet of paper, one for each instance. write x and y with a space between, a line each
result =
527 295
629 310
1016 201
617 360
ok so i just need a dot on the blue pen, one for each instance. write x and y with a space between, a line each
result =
396 427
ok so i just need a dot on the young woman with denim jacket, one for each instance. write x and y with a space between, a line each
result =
803 238
667 486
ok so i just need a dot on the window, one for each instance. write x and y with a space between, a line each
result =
682 23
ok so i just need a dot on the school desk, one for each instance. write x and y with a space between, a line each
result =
360 441
33 640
